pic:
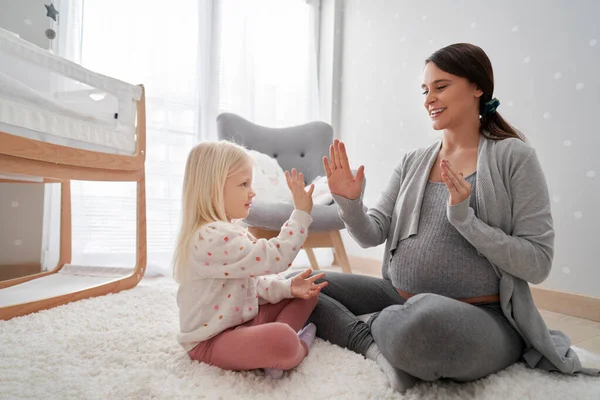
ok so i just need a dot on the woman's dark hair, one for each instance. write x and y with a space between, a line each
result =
470 62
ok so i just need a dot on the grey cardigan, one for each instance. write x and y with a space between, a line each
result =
513 230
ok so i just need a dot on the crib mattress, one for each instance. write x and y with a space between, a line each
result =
53 285
103 141
48 98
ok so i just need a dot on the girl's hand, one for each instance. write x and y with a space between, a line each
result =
340 179
302 198
458 188
304 287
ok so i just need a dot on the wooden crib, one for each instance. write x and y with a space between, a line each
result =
62 122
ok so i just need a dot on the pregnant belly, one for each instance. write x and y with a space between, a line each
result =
449 269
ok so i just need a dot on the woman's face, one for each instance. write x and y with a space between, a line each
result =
450 100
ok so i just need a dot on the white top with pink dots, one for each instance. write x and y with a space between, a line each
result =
232 273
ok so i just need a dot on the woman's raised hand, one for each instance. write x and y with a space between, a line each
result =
340 178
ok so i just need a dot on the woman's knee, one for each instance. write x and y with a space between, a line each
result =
419 316
415 336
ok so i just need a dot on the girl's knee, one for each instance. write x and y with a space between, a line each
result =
285 346
280 331
307 305
282 338
312 302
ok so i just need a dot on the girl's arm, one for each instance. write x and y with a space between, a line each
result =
274 288
221 251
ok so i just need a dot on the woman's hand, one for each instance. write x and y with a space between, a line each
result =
304 287
302 198
458 188
340 179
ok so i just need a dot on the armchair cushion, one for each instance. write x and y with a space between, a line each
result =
268 179
321 195
272 215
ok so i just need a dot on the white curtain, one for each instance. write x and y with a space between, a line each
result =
69 29
196 58
268 61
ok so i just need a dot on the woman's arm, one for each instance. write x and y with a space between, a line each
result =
528 251
371 228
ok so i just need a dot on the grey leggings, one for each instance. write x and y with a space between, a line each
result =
429 336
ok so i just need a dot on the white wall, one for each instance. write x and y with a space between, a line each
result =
27 18
21 213
22 205
546 57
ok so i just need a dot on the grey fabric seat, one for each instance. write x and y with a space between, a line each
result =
302 147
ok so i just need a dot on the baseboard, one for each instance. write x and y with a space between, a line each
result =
575 305
16 271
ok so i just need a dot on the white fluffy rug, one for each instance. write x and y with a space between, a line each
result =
123 347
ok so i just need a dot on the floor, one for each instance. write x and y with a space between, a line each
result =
123 346
583 333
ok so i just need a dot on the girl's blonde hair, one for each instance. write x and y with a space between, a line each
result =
207 168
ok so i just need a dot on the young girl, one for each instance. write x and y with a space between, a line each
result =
233 312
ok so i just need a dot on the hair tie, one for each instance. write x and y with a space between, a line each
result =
489 107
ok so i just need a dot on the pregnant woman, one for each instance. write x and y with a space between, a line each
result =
467 225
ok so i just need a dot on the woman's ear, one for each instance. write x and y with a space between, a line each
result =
478 92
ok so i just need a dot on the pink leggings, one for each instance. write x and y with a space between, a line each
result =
269 340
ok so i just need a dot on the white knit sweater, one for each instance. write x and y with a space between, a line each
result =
231 274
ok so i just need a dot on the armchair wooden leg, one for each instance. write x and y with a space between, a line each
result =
340 251
312 258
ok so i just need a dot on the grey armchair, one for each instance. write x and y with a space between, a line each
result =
301 147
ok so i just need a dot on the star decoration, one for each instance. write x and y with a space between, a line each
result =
51 11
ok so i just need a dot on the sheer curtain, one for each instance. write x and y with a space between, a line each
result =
196 58
268 62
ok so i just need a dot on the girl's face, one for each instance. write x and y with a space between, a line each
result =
450 100
238 193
